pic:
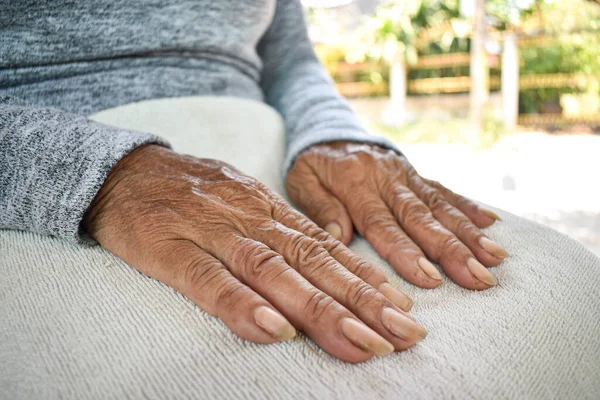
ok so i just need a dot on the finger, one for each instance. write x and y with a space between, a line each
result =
205 281
376 223
307 192
479 215
330 325
437 242
307 256
486 250
357 265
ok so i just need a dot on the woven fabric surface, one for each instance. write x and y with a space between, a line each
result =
77 322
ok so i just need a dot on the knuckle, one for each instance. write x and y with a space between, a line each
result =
323 236
297 244
279 208
228 300
199 276
337 249
383 230
414 213
317 306
263 224
374 219
259 266
448 246
356 264
302 224
366 271
309 253
361 295
198 273
464 225
435 201
256 261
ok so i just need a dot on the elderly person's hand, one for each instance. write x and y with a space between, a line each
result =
406 218
243 254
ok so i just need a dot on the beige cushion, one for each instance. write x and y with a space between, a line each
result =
79 323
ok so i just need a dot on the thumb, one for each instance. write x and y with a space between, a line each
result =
320 205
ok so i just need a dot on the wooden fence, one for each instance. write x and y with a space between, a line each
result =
348 86
455 84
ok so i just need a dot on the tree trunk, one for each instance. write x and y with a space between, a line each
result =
479 90
396 113
510 80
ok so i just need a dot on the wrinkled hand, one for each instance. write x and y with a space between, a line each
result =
406 218
243 254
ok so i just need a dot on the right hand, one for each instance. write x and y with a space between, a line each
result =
243 254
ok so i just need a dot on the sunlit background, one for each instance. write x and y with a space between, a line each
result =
497 99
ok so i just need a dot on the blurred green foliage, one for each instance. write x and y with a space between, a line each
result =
571 53
566 57
397 26
397 29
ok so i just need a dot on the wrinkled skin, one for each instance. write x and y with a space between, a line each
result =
244 255
406 218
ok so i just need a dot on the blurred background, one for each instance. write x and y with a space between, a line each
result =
498 100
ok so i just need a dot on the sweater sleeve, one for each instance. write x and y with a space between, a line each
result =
52 164
296 84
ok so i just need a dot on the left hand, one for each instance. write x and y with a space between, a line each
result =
408 219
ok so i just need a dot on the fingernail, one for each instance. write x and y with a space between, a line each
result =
429 269
334 230
481 272
492 247
402 326
396 296
490 213
362 336
275 324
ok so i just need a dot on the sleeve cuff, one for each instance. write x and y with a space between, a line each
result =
121 143
52 165
328 136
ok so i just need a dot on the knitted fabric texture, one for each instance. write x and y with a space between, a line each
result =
63 60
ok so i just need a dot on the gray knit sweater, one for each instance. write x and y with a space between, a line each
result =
61 60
